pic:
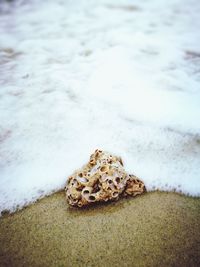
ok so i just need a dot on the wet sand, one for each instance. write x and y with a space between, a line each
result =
155 229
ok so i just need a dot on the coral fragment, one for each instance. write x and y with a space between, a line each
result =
103 178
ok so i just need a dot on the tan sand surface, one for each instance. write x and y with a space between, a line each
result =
155 229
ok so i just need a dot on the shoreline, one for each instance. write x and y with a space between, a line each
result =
154 229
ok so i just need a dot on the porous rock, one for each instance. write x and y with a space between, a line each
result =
103 178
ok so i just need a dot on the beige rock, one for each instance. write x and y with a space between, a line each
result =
103 178
134 186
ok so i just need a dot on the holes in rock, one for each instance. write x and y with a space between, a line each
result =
86 192
92 198
103 169
117 180
96 154
79 189
96 188
92 162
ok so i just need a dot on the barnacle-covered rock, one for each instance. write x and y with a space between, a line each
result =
134 186
103 178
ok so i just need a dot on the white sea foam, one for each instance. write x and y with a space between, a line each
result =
116 75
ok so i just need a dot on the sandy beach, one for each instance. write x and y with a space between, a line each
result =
155 229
